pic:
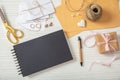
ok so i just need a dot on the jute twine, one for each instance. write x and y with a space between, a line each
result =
93 12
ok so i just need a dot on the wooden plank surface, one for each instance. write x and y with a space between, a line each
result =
67 71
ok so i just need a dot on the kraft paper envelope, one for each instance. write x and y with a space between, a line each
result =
110 16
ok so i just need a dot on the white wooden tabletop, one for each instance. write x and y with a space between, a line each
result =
67 71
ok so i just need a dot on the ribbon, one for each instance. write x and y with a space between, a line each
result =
104 64
107 42
87 38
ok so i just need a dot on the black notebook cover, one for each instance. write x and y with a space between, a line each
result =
43 52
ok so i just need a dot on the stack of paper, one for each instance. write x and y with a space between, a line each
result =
33 14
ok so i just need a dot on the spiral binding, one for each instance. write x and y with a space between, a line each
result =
16 61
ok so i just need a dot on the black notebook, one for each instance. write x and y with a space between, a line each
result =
42 53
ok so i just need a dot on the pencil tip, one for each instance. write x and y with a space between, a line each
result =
81 63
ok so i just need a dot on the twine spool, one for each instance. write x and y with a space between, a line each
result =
93 12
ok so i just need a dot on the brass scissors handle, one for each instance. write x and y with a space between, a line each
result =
14 35
11 32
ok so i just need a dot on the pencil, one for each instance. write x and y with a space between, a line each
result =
80 51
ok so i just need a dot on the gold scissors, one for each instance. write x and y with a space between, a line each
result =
13 35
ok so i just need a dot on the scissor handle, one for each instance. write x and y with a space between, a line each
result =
14 35
18 33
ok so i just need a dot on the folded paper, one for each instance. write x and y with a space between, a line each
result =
110 16
33 26
33 9
33 14
107 42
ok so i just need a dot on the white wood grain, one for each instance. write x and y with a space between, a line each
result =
66 71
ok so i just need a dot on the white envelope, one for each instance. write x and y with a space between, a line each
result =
32 9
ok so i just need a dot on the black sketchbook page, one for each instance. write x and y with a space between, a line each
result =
43 52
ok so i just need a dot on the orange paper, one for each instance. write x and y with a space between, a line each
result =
110 16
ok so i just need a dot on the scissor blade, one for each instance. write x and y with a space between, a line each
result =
2 15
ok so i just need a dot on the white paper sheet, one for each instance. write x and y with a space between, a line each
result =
33 26
31 10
